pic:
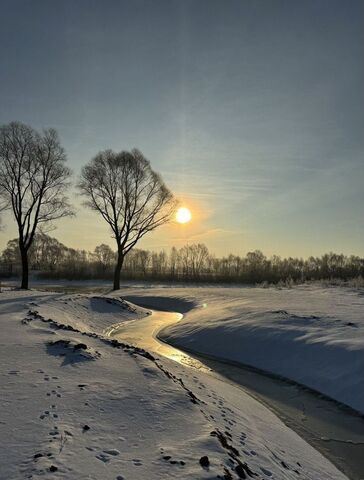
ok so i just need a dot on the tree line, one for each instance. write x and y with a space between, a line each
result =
51 259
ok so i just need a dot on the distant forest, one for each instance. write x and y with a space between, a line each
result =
51 259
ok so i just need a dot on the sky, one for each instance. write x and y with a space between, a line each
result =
251 110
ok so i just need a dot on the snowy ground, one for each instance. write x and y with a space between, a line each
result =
78 406
312 335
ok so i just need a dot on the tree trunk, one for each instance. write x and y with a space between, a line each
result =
25 268
117 271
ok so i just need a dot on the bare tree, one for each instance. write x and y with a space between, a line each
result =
33 180
193 259
105 256
129 195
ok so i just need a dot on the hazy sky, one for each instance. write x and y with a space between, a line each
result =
252 111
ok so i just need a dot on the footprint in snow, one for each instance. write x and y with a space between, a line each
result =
112 451
54 392
106 455
104 458
169 459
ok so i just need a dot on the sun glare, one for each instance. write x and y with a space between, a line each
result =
183 215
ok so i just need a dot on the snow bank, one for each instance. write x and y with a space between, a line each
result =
312 335
89 313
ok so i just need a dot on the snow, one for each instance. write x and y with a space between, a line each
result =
90 313
79 405
309 334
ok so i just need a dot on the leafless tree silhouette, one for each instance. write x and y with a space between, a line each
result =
33 180
130 197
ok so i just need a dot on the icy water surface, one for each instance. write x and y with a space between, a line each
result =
334 430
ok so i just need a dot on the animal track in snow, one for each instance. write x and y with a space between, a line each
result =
106 455
266 472
112 451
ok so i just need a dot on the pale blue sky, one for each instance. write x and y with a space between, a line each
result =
251 110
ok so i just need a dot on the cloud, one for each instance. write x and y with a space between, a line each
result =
204 235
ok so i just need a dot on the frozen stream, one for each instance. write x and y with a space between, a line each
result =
336 431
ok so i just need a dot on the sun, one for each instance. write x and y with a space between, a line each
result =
183 215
